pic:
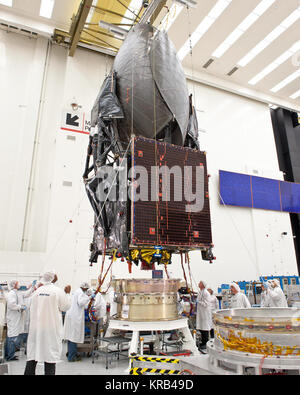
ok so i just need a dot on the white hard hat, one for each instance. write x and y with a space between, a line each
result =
84 285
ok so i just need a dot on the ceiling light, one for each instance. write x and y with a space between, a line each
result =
286 81
171 16
277 62
46 9
263 6
8 3
118 31
280 29
219 8
203 27
295 95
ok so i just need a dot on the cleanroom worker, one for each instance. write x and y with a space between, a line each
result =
238 300
14 320
214 306
26 300
100 306
265 297
111 300
203 317
74 321
276 295
44 344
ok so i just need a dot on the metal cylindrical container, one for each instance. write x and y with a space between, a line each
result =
265 331
147 307
146 299
146 285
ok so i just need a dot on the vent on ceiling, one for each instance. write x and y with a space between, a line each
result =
12 28
233 71
208 63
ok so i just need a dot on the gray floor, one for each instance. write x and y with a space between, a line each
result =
84 367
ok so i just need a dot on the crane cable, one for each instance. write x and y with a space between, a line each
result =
103 259
187 260
100 278
166 270
181 259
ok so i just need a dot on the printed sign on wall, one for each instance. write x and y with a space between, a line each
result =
76 121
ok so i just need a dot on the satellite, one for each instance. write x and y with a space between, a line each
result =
145 175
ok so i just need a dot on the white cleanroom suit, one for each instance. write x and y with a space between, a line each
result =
13 313
13 320
276 295
74 319
214 303
214 306
265 300
203 318
111 299
100 306
25 298
239 300
45 328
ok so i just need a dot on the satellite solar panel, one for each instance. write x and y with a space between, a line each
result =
258 192
266 193
167 222
235 189
290 197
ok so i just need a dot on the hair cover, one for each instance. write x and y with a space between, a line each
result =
236 286
48 277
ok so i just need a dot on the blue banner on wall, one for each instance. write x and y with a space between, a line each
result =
244 190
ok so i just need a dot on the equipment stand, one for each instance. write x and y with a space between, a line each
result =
137 327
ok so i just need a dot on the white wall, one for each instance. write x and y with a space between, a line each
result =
39 82
21 76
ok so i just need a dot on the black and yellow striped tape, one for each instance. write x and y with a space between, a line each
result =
140 371
153 359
